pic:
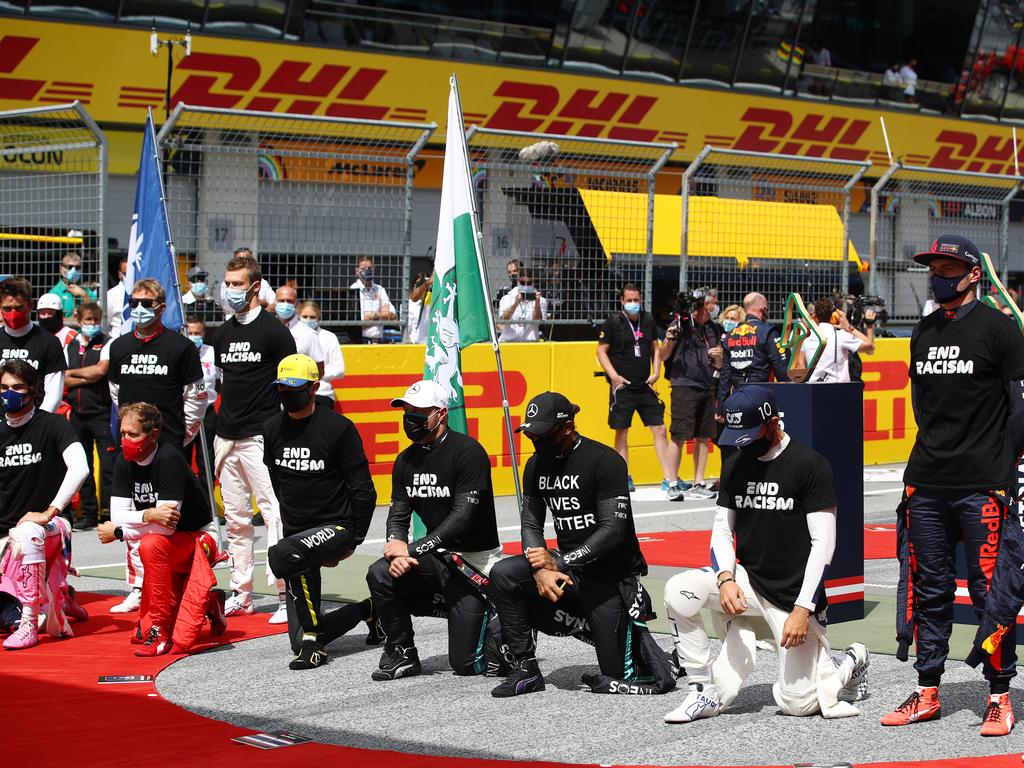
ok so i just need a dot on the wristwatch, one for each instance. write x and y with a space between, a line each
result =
119 533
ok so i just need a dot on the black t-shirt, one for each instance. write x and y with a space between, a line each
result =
428 478
772 500
38 348
319 471
959 370
620 334
88 399
571 487
32 465
167 478
248 355
156 372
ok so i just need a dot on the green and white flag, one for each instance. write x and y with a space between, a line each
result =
459 312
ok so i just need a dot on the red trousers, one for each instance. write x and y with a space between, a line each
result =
167 561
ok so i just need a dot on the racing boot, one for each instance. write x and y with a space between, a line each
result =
998 719
375 635
26 636
525 678
397 662
857 659
72 608
923 704
702 701
311 655
215 612
130 603
157 643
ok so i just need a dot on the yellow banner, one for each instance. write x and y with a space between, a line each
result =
111 71
384 372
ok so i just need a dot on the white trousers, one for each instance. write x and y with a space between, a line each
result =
800 669
133 564
243 477
28 540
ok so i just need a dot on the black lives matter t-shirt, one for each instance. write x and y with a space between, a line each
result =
571 487
31 465
38 348
156 372
618 334
248 355
959 370
167 478
429 477
319 471
772 500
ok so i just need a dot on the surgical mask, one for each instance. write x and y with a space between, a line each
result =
944 288
53 323
294 400
74 274
631 308
310 322
91 331
198 289
237 300
134 450
730 325
415 426
143 316
284 310
197 340
713 311
16 318
13 400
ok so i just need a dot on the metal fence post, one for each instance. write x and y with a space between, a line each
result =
649 258
844 282
684 222
873 236
410 173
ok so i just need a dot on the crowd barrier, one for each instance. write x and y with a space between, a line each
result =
379 373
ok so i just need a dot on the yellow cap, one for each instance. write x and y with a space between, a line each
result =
296 370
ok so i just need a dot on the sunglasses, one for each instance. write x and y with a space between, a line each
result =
147 303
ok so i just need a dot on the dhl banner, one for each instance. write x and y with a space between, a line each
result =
379 373
112 73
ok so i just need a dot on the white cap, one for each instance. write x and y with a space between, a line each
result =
50 301
423 394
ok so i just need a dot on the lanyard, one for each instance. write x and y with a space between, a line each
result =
637 334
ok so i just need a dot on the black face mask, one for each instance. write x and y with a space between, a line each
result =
53 323
294 400
759 447
548 446
415 425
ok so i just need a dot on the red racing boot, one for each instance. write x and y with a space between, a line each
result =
923 704
157 643
998 719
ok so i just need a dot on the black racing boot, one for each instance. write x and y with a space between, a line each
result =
311 655
375 635
525 678
397 662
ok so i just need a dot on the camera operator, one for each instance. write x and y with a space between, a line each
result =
842 341
753 350
512 270
522 303
693 357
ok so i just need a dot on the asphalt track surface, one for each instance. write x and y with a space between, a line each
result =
339 703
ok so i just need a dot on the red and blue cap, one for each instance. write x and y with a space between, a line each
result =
951 247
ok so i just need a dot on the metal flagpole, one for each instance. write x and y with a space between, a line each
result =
201 436
487 292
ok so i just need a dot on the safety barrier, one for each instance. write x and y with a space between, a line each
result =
53 176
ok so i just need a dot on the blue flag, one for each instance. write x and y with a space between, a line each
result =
150 250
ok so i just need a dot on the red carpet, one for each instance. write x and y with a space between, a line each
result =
57 714
689 549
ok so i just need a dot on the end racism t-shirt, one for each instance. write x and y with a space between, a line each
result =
247 356
772 500
167 478
38 348
31 465
959 370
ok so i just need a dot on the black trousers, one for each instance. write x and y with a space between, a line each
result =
94 431
435 589
591 609
297 558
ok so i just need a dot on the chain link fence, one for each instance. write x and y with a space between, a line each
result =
577 212
767 223
53 175
310 196
912 206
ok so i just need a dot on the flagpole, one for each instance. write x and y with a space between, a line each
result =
203 445
487 292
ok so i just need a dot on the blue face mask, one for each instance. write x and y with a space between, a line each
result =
91 331
198 289
197 340
13 401
143 316
284 310
74 274
311 323
237 300
730 325
944 288
631 308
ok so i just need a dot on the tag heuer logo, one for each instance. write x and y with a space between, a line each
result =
734 418
532 411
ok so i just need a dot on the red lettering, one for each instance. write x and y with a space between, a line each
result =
871 430
507 116
362 83
944 158
13 50
377 450
810 129
581 105
489 395
634 113
197 90
891 375
777 121
287 78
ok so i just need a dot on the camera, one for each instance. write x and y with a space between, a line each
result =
528 292
856 306
686 303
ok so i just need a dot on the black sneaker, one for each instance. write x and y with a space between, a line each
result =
311 655
375 635
397 662
85 524
526 678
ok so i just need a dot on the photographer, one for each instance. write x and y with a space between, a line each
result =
522 303
841 340
693 357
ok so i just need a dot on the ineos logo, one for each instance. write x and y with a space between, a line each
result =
532 411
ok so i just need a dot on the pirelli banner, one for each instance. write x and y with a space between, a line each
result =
379 373
43 63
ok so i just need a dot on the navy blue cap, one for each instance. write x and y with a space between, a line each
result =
746 411
545 412
951 247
